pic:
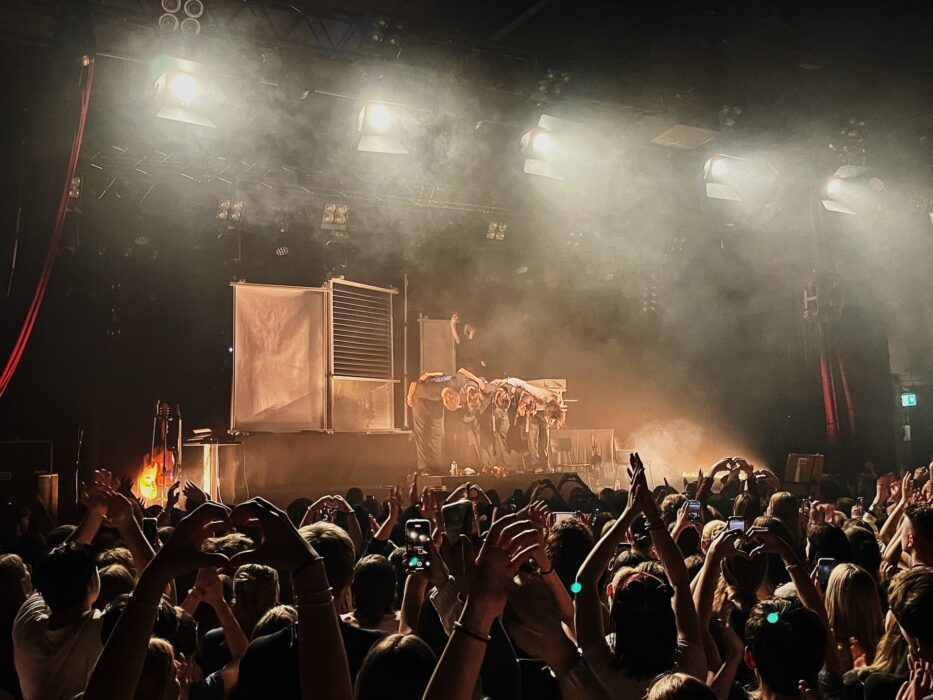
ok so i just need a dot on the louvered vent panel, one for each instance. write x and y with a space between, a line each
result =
362 321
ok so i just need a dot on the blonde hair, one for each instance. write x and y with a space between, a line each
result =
853 605
158 679
450 398
785 507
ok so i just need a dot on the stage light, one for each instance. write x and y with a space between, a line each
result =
719 167
74 190
380 129
168 23
281 251
194 8
853 189
496 231
739 179
184 87
379 117
142 241
190 27
171 5
908 399
185 93
336 216
552 147
231 210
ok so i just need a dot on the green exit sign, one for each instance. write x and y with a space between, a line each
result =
908 399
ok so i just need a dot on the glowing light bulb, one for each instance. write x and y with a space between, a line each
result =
718 168
542 142
379 117
834 187
183 87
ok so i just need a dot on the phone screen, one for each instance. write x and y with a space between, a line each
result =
561 516
417 539
694 510
455 516
737 523
825 568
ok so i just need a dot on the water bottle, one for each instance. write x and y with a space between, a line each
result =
453 468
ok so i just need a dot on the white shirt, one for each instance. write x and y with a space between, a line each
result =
54 664
689 658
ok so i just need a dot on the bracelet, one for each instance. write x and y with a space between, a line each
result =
470 633
311 598
545 573
309 562
322 604
795 565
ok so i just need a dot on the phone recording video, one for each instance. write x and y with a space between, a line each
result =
694 510
417 543
456 516
736 523
825 567
561 516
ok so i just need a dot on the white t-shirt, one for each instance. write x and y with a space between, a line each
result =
689 658
53 664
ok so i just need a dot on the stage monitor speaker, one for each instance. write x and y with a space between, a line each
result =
21 462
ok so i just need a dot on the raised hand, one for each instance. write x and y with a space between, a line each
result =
768 543
171 496
281 547
194 496
725 544
209 587
182 552
119 508
509 543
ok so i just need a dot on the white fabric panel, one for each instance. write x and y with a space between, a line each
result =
280 360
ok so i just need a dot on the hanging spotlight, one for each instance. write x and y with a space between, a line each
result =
853 189
380 129
336 216
185 93
74 190
231 210
553 147
281 251
739 179
168 23
190 26
496 231
194 8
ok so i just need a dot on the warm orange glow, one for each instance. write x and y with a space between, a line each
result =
147 482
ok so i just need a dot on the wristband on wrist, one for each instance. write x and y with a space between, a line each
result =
545 572
484 638
325 597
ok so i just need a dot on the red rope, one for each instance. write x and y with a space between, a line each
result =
87 79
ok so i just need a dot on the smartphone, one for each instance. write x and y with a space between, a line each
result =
561 516
694 510
623 547
454 516
151 530
858 510
825 567
736 523
417 541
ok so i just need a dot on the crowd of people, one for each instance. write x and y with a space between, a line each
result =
729 588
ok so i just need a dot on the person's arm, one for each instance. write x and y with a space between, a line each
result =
120 515
322 659
411 394
212 592
469 375
508 544
120 664
669 553
416 588
588 610
806 590
539 514
353 524
171 500
454 331
722 680
720 548
893 521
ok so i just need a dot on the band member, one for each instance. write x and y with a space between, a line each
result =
469 350
428 398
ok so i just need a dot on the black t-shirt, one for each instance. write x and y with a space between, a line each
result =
269 668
